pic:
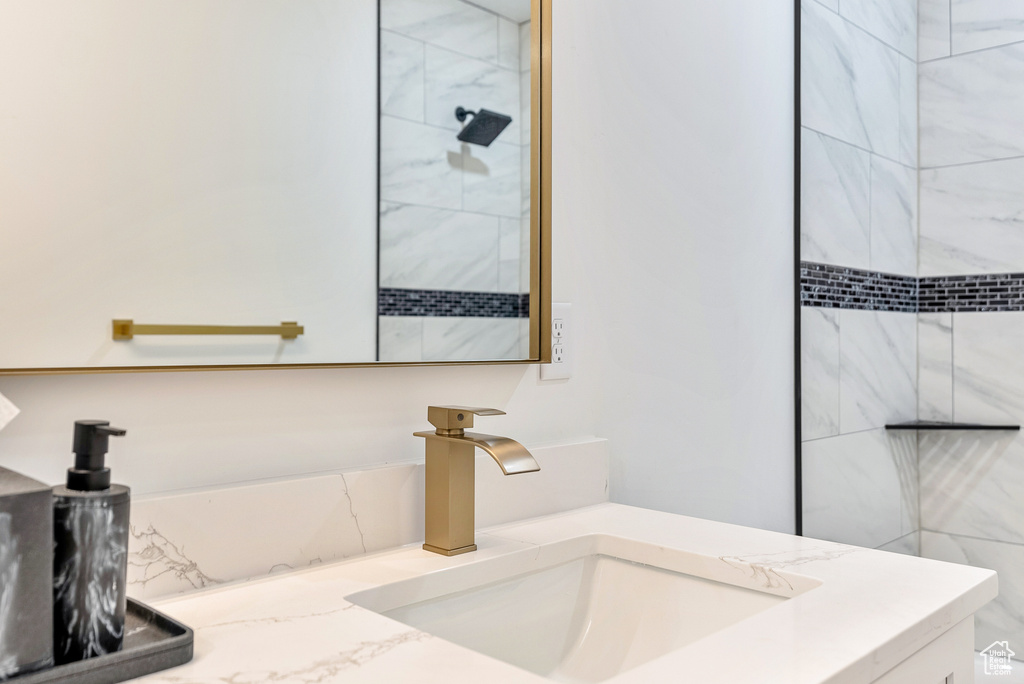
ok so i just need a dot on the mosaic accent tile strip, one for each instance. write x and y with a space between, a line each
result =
838 287
393 301
987 292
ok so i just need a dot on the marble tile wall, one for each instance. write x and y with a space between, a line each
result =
861 488
184 542
859 139
859 373
1000 620
859 210
972 483
452 214
971 90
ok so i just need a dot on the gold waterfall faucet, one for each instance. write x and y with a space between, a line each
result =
451 474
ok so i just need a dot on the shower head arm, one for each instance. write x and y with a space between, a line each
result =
461 113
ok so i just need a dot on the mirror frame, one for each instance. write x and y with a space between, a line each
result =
540 236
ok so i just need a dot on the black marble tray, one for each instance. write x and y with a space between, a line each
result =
152 642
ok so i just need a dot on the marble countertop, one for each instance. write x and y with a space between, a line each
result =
871 611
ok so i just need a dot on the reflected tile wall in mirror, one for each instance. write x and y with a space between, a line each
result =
454 217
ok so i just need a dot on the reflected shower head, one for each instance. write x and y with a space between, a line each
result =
484 128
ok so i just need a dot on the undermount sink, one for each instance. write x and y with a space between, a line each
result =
584 609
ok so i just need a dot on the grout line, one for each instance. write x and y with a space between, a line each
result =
839 369
952 370
971 52
972 163
445 129
495 63
454 211
871 203
950 5
855 146
843 434
970 536
899 538
863 30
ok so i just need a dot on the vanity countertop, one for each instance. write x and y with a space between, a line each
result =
872 611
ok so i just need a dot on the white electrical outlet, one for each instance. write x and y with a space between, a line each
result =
560 367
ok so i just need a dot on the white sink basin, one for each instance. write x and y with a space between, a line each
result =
584 609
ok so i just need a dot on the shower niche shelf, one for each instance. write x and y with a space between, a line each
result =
934 425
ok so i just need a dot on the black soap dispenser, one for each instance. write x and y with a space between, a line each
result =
90 559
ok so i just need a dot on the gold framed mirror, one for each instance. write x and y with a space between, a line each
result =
191 185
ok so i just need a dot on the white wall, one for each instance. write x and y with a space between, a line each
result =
672 239
674 157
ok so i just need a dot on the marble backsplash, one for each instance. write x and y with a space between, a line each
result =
188 541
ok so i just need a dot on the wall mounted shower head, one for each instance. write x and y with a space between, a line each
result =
484 128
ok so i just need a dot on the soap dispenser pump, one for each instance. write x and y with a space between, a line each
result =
90 560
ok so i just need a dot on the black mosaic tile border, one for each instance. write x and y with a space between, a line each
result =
393 301
987 292
838 287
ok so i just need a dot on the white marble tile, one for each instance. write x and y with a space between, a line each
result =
968 113
524 254
819 372
933 29
188 541
972 483
908 545
438 249
835 211
908 112
893 217
525 53
509 250
400 338
935 366
524 338
904 448
852 491
972 218
450 24
525 115
454 80
894 22
470 339
401 76
508 44
1003 618
850 82
988 368
492 181
525 171
877 369
831 4
980 24
419 164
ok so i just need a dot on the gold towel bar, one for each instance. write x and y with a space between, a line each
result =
126 329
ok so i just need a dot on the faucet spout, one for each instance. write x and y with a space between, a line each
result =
511 456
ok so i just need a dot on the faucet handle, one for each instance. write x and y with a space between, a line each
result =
457 417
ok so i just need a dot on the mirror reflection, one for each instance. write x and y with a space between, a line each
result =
455 179
224 164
